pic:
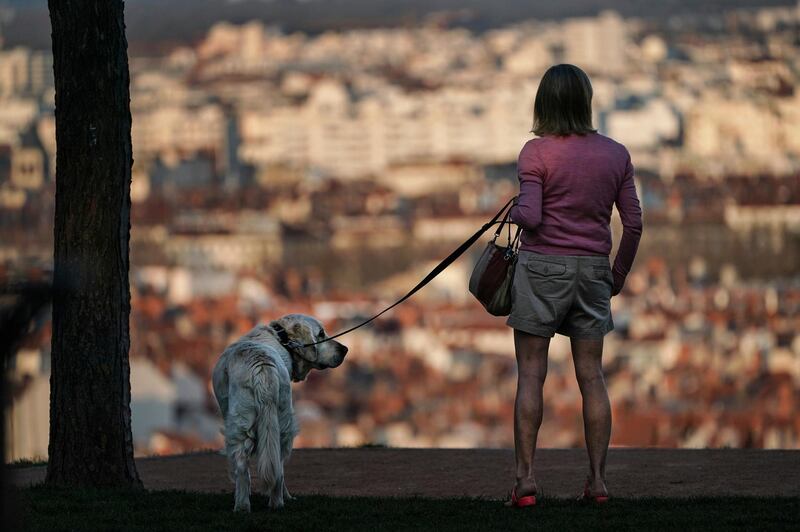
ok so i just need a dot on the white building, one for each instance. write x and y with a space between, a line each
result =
153 398
531 58
17 113
171 128
28 418
646 127
344 138
597 44
717 127
24 71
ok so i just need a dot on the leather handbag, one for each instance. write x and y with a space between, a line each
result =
492 280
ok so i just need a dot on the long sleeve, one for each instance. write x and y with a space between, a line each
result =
528 210
630 214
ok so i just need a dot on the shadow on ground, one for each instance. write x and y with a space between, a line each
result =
448 473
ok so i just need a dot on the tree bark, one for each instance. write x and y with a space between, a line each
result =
90 420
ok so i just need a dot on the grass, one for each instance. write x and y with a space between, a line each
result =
50 509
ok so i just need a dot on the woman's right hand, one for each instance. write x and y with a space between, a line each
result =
619 282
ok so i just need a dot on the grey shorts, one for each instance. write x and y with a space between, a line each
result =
564 294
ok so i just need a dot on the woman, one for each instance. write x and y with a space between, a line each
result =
570 177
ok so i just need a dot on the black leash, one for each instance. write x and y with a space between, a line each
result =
436 271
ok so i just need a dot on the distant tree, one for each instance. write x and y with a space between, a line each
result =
90 417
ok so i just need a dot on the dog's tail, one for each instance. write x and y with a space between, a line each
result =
268 444
219 382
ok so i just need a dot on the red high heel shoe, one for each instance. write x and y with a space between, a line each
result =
522 502
588 497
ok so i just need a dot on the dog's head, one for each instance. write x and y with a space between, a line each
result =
304 329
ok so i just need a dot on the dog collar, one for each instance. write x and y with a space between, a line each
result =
292 346
283 338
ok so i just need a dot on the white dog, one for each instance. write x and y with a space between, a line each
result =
252 384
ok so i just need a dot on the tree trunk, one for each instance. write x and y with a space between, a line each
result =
90 418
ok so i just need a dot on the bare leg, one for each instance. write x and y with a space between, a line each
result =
587 354
531 353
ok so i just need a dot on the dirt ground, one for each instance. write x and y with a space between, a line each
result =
445 473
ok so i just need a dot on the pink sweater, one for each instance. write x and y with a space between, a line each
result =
567 188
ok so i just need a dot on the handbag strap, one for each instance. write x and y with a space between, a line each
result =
436 271
516 242
505 221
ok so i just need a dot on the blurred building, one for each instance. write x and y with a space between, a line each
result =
25 72
597 44
327 173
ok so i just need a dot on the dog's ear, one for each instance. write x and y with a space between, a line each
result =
302 334
300 331
303 358
275 323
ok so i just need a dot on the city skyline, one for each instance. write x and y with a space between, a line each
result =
280 172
